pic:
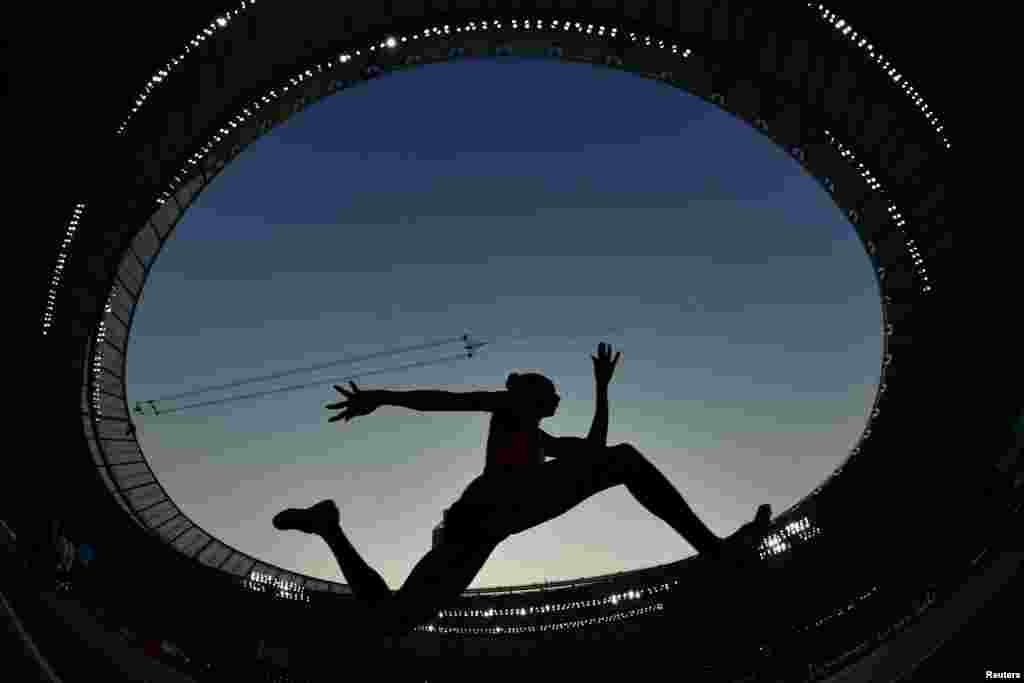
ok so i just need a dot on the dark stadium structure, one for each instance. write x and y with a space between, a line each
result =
856 581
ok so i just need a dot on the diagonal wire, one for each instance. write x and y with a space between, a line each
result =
318 383
285 373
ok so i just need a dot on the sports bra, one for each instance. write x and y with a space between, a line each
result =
510 446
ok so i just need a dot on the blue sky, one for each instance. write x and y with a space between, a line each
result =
536 205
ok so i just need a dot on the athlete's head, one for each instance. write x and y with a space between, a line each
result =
535 392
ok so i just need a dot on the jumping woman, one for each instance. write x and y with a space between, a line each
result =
517 491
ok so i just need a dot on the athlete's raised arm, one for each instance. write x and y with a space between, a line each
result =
604 367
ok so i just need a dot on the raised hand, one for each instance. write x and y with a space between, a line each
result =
358 403
604 366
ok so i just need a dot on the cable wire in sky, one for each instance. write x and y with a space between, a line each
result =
320 382
311 368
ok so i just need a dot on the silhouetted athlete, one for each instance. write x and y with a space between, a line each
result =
516 491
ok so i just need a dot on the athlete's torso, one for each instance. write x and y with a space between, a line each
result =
512 444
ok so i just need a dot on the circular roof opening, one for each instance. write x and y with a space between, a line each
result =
559 203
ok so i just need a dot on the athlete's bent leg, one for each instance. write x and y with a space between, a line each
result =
437 580
583 470
652 490
656 493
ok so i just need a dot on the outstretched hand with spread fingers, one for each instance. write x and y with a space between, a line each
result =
604 366
359 403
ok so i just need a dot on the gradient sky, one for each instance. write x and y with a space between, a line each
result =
546 201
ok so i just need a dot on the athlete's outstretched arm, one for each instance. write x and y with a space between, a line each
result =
431 401
604 367
365 402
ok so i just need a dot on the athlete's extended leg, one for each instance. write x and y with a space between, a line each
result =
436 580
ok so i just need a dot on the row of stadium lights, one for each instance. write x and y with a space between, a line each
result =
777 543
287 589
894 213
847 154
564 626
97 359
294 591
915 253
523 611
549 609
63 254
846 655
840 25
156 79
842 610
844 27
878 637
